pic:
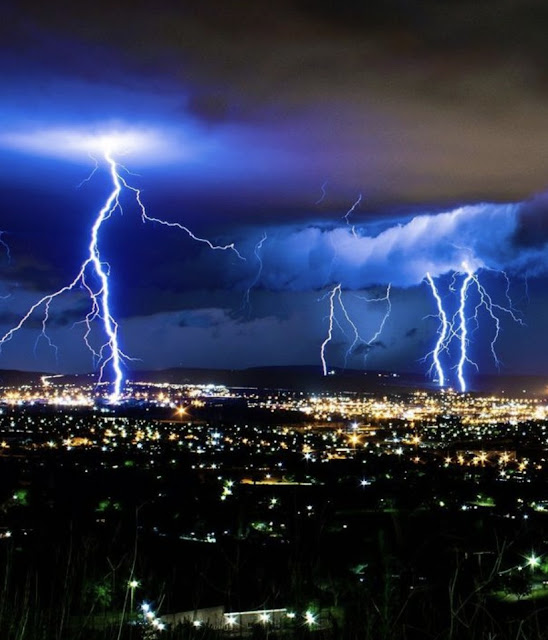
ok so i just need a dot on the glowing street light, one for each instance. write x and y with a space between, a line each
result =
533 561
231 620
310 618
132 584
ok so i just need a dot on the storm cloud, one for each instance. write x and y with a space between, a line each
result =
480 236
272 118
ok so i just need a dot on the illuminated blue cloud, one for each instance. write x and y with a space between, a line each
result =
145 146
482 235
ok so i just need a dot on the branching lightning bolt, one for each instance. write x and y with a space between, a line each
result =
93 277
491 308
458 327
385 298
443 332
177 225
335 298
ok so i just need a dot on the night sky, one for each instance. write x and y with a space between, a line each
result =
271 119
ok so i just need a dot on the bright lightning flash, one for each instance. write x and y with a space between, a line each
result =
442 333
332 295
457 328
463 331
94 273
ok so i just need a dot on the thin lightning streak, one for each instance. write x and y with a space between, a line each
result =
257 254
384 298
526 286
491 308
93 172
347 214
324 193
146 218
453 284
443 332
94 270
340 327
4 244
43 334
357 337
507 290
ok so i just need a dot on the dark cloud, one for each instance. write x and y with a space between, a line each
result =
11 319
422 106
56 318
405 101
532 228
364 348
378 344
204 318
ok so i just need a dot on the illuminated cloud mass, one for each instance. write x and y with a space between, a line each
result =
350 145
76 144
483 235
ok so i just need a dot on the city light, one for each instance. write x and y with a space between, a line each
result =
533 561
310 618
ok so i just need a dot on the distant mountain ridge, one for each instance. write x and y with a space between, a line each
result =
307 378
310 378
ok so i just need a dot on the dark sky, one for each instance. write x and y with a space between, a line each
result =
272 118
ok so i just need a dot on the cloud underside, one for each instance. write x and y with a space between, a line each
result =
469 238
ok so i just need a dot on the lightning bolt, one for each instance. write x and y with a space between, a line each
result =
347 214
385 298
443 333
323 194
336 300
257 254
332 294
93 277
5 245
493 309
463 332
458 327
